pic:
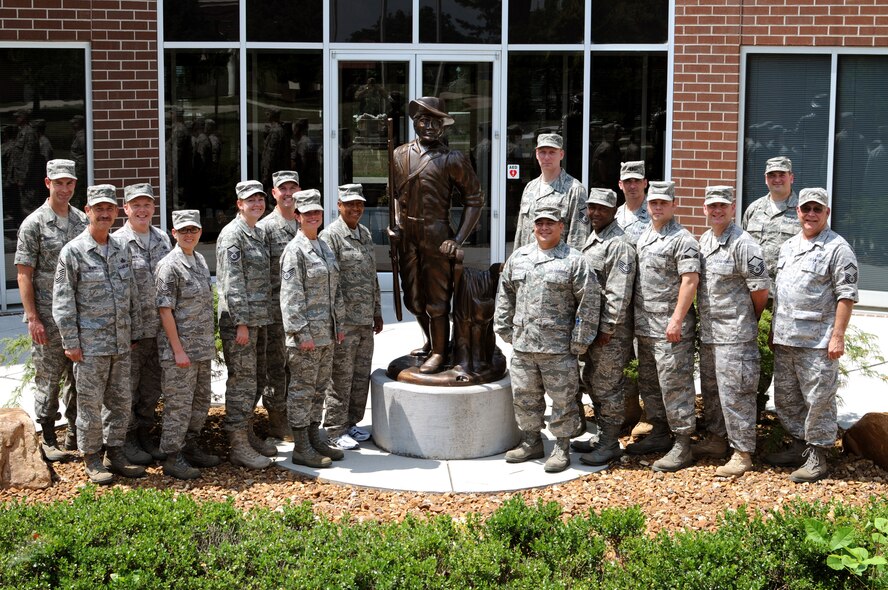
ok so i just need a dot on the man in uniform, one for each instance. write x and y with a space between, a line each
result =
360 319
40 239
146 245
96 307
733 292
547 307
815 292
279 227
427 174
555 187
633 215
668 274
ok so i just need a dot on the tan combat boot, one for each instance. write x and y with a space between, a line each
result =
320 445
713 446
278 426
678 457
96 470
49 444
243 454
530 447
134 452
792 456
261 446
197 456
606 449
739 464
304 453
559 460
176 466
116 462
815 467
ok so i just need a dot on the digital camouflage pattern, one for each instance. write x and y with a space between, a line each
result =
729 376
277 232
666 382
186 402
310 372
243 275
535 374
104 401
184 286
633 222
568 195
770 224
805 386
310 295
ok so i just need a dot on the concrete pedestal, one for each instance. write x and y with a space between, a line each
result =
442 422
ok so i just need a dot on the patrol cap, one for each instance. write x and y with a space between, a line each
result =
60 169
633 169
101 193
351 192
552 140
778 164
186 218
309 200
817 195
602 196
137 190
661 190
547 212
719 194
247 188
282 176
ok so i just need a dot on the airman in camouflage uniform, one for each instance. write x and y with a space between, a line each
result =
186 347
279 227
96 307
816 290
611 256
147 245
668 274
633 215
733 292
547 307
361 317
310 298
555 188
243 279
40 239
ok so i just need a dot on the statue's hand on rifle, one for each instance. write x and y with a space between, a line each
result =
394 234
449 248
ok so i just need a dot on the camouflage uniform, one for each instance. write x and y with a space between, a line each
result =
547 307
145 367
567 194
612 258
665 369
183 285
812 276
770 224
96 308
732 267
633 223
310 297
272 352
244 283
347 397
40 239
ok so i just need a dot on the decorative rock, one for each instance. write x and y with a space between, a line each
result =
869 438
21 463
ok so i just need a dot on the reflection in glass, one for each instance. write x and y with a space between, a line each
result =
549 21
370 21
42 115
197 20
285 20
201 137
460 21
630 21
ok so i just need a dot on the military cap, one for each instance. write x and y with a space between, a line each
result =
552 140
137 190
430 105
547 212
60 169
247 188
817 195
309 200
282 176
718 194
632 169
186 218
602 196
661 190
778 164
101 193
351 192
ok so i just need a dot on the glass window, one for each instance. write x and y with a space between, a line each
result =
546 21
285 20
630 21
202 138
198 20
459 21
42 116
284 122
363 21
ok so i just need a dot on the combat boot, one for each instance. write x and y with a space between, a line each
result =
176 466
559 460
198 457
116 462
146 441
242 453
607 448
714 446
277 425
320 445
262 446
678 457
658 441
581 428
530 447
96 470
304 453
71 438
739 464
815 467
50 446
792 456
134 452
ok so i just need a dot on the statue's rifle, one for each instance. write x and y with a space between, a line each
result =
393 221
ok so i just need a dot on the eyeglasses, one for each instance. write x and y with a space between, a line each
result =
188 230
817 209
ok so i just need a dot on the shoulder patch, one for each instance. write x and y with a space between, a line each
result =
625 267
60 275
849 276
691 251
234 253
288 274
756 266
163 287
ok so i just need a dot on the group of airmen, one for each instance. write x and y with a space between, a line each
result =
119 319
591 285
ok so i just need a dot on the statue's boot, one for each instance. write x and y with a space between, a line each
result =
426 348
440 335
